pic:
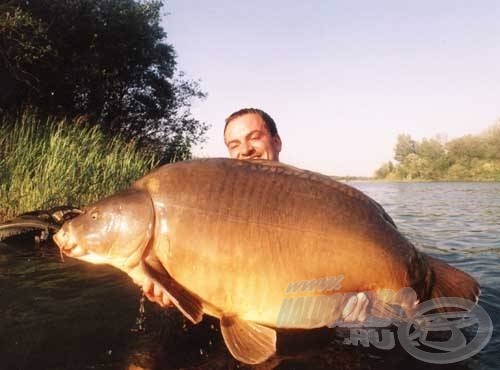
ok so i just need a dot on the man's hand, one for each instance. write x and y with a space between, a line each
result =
155 293
355 311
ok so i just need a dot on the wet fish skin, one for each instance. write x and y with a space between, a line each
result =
260 240
226 237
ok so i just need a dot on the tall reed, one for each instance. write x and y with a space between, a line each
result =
44 164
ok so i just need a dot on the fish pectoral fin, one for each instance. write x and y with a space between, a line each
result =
190 305
248 342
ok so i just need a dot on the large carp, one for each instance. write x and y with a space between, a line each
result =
226 238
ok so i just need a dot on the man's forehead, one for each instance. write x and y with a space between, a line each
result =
245 124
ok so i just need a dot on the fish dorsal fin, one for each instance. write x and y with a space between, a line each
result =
190 305
248 342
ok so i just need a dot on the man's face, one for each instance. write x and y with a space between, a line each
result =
247 137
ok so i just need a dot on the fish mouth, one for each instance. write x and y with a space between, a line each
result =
67 245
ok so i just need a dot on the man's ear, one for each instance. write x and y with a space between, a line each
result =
277 142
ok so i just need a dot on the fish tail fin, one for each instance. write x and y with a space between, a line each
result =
451 282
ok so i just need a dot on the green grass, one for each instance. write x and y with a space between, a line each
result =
44 164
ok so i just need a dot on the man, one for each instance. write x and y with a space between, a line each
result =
251 133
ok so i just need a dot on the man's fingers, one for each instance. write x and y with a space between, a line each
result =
358 311
147 289
147 286
150 297
349 307
157 290
363 312
155 294
166 301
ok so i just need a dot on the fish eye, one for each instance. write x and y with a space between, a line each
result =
94 215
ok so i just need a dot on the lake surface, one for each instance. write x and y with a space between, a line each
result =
73 315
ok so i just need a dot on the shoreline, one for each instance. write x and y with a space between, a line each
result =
413 181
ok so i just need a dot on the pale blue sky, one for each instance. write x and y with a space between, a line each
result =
342 78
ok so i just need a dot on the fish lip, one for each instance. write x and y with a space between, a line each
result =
75 252
66 244
59 239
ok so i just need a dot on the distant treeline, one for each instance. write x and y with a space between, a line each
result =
471 158
351 178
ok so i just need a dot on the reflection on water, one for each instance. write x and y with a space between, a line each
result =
77 316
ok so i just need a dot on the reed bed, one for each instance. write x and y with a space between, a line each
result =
50 163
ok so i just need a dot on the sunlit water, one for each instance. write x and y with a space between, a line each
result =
73 315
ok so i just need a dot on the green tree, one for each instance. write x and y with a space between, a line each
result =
25 51
431 149
492 141
105 60
384 171
416 166
470 157
404 146
434 153
458 171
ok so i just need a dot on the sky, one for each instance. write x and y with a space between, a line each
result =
342 79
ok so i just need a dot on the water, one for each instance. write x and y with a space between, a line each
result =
74 315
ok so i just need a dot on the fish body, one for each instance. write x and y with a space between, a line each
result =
237 234
227 237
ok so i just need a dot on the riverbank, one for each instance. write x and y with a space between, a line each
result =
420 181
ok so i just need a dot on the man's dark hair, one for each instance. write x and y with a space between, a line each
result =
270 124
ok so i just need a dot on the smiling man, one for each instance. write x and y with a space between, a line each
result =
251 133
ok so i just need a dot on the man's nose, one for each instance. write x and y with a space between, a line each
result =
247 150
